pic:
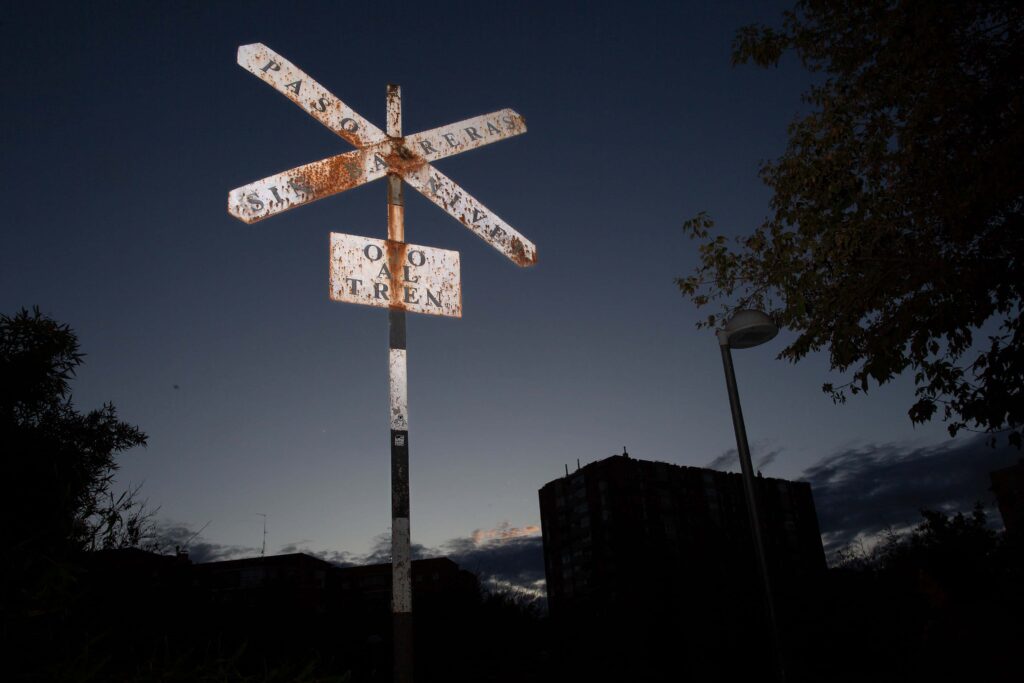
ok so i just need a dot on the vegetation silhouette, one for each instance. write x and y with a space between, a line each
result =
941 602
895 230
60 464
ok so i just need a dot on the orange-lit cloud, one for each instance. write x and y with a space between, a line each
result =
503 532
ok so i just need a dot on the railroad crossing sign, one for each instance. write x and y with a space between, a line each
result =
388 273
375 156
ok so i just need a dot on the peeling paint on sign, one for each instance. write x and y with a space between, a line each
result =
316 100
465 208
377 154
395 275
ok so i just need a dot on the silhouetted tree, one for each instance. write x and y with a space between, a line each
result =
948 551
897 217
58 466
940 602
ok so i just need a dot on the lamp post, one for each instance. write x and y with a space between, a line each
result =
745 329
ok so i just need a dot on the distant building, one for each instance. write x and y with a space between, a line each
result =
130 576
295 581
307 584
433 580
622 534
1008 485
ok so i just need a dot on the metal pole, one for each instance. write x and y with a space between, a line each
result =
401 553
752 507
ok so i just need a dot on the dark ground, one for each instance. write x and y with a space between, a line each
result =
942 604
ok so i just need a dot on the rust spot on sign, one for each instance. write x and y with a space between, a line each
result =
519 255
336 173
403 160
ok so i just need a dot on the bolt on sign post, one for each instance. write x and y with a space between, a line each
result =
388 273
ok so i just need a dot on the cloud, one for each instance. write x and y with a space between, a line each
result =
861 491
767 459
516 562
724 461
380 550
170 535
730 459
505 557
379 553
503 532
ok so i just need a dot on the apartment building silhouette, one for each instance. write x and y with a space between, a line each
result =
624 536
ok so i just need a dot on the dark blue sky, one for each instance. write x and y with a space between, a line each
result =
126 125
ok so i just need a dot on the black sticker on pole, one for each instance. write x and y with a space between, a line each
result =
399 473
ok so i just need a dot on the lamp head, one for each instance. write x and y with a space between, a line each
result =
747 328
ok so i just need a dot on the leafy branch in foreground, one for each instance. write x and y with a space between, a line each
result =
896 231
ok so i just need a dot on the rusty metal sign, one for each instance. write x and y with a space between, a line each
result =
386 273
313 98
376 155
395 275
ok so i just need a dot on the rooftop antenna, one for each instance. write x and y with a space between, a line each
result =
263 549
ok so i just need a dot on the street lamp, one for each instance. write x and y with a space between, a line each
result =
744 330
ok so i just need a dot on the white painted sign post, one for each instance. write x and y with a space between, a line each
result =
387 273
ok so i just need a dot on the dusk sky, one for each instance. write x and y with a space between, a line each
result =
125 127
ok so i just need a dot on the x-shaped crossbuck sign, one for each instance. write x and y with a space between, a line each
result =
375 156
